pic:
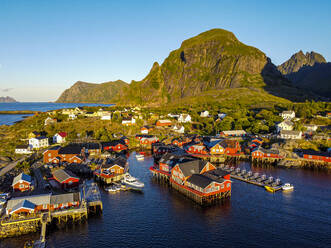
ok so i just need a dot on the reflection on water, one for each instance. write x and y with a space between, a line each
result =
161 217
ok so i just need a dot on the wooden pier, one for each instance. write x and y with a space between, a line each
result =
253 178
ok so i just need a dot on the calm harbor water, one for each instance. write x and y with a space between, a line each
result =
160 217
35 106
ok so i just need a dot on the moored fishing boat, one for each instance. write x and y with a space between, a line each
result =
287 187
140 156
111 189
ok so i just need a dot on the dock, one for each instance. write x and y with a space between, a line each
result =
253 178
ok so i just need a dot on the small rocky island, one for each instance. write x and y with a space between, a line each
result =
7 99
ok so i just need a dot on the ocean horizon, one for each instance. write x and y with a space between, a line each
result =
6 119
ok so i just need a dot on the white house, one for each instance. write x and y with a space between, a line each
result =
184 118
311 127
38 142
128 121
290 134
287 115
178 129
285 125
106 117
204 113
72 116
60 137
23 149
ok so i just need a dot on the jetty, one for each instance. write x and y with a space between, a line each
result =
253 177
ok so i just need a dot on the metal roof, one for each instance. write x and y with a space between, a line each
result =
192 167
65 198
23 177
35 199
62 175
71 149
23 204
200 180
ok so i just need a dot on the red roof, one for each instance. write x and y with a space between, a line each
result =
63 134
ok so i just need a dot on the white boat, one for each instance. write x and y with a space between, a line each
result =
132 182
287 187
117 187
111 189
140 156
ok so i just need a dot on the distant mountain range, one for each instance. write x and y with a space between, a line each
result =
7 99
308 71
212 66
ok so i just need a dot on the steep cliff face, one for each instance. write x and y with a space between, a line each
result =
92 93
298 60
213 60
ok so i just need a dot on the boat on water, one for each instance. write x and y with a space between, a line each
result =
287 187
113 188
140 156
132 182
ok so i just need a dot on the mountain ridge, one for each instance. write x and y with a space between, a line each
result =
299 60
84 92
206 65
308 71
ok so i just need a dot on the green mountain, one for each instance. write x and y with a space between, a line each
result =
204 67
212 66
83 92
308 71
298 60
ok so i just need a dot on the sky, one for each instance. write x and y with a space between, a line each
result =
46 46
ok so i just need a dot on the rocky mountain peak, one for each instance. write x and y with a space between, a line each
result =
298 60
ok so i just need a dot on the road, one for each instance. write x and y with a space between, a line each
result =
10 166
39 179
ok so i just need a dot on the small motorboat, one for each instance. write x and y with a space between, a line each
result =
111 189
287 187
140 156
132 182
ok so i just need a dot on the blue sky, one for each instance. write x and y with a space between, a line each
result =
45 46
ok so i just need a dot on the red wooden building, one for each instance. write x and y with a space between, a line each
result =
198 148
22 183
115 145
318 156
231 147
66 178
163 123
72 153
